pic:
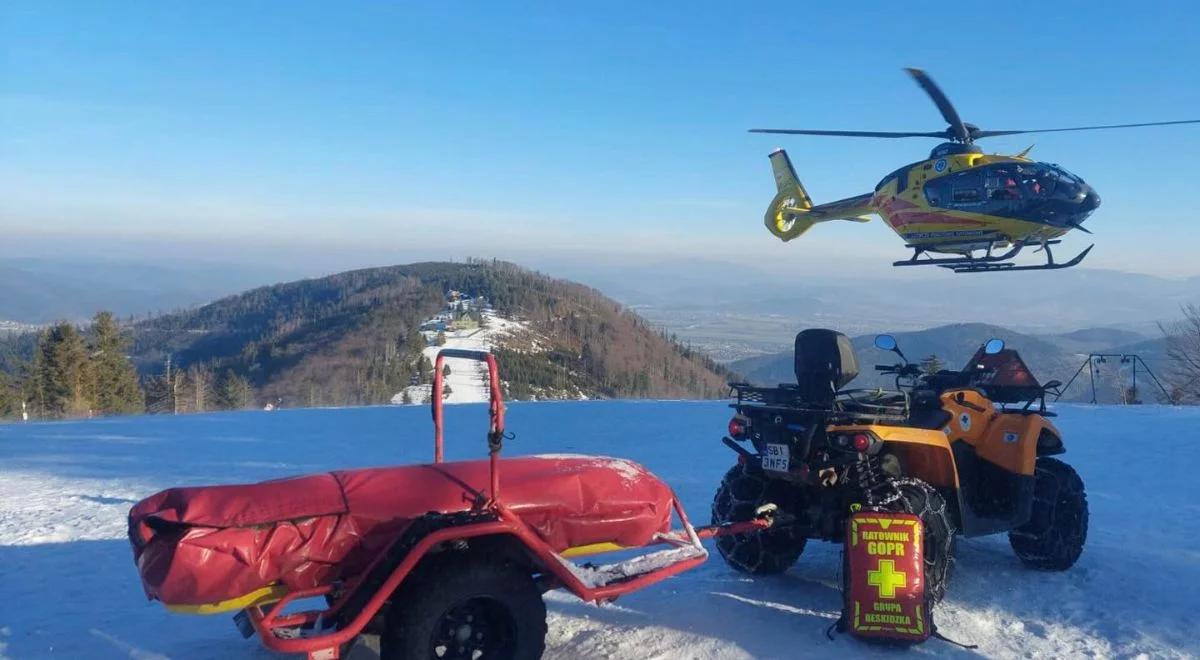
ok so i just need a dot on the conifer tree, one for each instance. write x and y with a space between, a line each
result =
63 382
234 392
10 397
932 364
115 380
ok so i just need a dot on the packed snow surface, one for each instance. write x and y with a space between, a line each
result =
68 587
468 378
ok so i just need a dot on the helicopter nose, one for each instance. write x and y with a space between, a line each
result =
1091 201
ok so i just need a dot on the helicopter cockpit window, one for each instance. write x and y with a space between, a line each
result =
1037 180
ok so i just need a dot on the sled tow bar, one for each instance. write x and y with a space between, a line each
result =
727 529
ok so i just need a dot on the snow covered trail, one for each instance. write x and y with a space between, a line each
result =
68 587
468 378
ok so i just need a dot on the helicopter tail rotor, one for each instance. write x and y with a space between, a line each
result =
792 213
788 216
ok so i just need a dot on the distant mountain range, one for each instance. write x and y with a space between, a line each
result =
44 290
1052 356
737 310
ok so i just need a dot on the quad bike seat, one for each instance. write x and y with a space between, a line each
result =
204 545
824 363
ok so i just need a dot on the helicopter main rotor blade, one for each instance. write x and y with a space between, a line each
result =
878 134
957 129
983 134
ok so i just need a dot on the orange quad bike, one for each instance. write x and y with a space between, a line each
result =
970 452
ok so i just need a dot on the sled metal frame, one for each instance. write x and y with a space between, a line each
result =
278 630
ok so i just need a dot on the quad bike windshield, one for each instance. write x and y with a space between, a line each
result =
1004 376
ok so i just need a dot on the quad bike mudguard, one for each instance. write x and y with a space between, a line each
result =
1011 439
995 451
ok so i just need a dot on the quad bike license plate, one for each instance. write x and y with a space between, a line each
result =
777 457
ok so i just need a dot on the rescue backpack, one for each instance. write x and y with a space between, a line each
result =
883 579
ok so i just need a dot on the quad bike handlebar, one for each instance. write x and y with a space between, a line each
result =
901 370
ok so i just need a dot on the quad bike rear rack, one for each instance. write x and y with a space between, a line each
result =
324 634
846 407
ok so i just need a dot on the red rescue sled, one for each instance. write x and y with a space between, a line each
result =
353 537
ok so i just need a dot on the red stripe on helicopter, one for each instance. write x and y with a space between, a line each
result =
900 213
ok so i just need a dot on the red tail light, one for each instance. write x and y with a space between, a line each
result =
737 427
862 442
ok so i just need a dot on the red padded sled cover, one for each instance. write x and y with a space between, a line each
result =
886 577
207 544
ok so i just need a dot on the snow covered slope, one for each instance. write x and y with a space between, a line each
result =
468 378
68 587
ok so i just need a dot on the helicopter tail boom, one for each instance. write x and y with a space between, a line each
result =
792 212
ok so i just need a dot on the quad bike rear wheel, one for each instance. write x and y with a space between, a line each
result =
466 608
743 490
1053 538
922 500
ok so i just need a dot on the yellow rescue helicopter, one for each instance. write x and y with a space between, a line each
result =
981 208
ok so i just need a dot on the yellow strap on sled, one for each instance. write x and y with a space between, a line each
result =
591 549
268 594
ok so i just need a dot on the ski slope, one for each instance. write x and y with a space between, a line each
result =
468 378
68 587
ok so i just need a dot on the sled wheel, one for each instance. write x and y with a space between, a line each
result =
920 499
472 609
743 490
1053 538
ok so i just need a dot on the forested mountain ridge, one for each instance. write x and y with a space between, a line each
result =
353 338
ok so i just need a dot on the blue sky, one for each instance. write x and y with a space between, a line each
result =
607 128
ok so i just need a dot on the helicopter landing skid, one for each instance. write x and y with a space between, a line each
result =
989 262
987 258
1009 266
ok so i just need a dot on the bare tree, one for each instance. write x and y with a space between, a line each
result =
1183 352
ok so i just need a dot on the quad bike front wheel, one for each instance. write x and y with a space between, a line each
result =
742 492
922 500
1053 538
466 608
